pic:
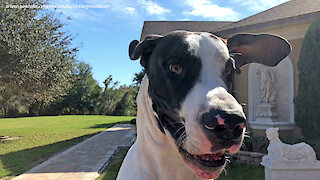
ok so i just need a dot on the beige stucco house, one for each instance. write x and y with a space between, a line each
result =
289 20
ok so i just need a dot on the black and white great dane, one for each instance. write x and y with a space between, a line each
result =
187 119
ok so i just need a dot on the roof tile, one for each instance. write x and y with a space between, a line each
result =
289 9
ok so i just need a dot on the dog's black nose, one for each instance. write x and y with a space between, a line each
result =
226 126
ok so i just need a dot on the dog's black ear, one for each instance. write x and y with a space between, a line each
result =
230 69
265 49
143 49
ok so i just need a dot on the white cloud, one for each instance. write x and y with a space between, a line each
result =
153 8
259 5
207 9
118 8
138 9
130 10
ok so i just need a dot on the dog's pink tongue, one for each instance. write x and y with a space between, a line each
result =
205 175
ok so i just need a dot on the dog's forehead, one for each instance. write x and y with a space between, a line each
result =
207 42
191 37
186 34
178 42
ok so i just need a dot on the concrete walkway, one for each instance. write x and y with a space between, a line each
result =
85 160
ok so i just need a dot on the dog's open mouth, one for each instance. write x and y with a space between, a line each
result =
206 166
207 160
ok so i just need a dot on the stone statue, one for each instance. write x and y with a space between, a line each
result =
281 152
267 89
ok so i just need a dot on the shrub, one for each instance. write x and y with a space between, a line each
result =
255 144
307 104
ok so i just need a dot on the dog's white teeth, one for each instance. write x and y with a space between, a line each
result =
210 157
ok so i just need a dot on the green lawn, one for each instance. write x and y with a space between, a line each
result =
237 171
234 171
111 171
41 137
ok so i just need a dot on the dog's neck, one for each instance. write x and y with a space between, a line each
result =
153 155
147 123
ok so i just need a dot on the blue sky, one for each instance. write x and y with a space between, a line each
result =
103 34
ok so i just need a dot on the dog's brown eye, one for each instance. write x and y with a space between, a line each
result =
175 68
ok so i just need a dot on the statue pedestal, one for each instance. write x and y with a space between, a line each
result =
266 112
291 171
262 125
267 117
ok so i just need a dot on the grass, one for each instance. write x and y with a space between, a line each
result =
234 171
111 171
237 171
42 137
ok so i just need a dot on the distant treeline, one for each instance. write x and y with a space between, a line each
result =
40 74
86 97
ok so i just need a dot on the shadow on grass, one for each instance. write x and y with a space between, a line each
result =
16 163
107 125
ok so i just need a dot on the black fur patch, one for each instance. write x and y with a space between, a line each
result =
167 89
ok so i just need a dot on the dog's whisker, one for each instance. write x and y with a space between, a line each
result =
244 146
181 139
224 171
182 127
247 133
228 160
180 136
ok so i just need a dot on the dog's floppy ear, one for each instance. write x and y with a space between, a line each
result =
265 49
143 49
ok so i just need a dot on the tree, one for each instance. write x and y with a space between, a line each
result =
121 107
118 100
138 77
84 96
307 102
126 106
36 57
110 96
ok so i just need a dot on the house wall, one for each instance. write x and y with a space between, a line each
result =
294 34
294 56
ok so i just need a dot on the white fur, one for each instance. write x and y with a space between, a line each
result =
154 155
209 92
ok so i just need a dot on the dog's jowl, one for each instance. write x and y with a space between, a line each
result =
188 121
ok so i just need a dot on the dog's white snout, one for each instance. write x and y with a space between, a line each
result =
215 113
